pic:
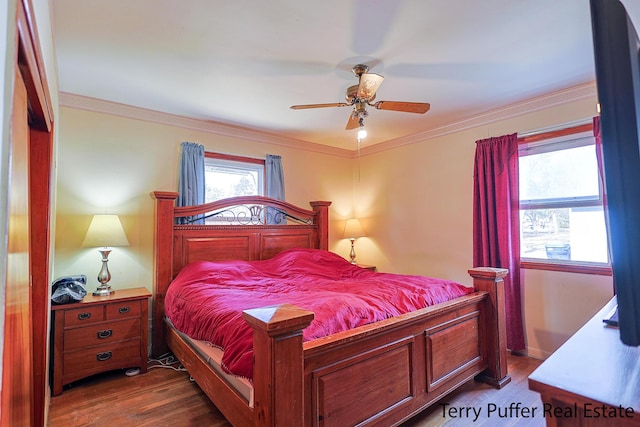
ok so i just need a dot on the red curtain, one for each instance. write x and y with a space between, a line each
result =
496 223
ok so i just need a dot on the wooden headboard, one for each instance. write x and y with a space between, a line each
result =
238 228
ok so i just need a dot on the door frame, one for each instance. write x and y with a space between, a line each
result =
30 61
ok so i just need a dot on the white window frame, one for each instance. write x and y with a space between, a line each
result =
241 164
557 144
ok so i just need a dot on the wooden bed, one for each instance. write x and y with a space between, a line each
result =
377 374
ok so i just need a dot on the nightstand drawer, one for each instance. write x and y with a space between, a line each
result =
83 316
101 334
123 309
82 363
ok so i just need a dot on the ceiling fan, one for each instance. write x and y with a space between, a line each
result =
363 94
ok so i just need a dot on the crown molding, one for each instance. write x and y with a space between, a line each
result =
122 110
565 96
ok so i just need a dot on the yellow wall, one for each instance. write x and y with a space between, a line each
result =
415 203
110 164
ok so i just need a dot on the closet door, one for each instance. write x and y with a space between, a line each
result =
17 372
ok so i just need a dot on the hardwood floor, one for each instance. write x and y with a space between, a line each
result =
161 397
164 397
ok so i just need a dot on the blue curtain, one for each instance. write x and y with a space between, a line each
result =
274 187
191 187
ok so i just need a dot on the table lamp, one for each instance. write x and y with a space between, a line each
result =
352 230
105 231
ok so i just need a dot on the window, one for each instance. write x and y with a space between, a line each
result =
561 210
231 176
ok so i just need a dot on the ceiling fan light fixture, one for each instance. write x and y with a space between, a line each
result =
360 95
362 132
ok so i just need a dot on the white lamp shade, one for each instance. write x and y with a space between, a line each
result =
106 231
353 229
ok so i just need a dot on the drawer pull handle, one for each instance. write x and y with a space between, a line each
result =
103 356
84 316
123 310
105 334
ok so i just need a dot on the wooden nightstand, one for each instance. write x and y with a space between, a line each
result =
99 334
368 267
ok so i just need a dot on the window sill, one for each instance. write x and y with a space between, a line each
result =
573 267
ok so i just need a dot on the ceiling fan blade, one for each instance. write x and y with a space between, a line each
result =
353 122
369 84
408 107
335 104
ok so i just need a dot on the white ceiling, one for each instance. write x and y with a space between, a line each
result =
245 62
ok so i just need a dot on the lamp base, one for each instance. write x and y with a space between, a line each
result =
352 255
104 276
103 291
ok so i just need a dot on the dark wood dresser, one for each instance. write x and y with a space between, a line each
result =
591 380
99 334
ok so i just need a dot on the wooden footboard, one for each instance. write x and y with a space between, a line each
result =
385 376
378 374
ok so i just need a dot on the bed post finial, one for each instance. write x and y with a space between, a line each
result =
162 263
494 323
278 363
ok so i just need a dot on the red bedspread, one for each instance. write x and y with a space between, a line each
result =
206 299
